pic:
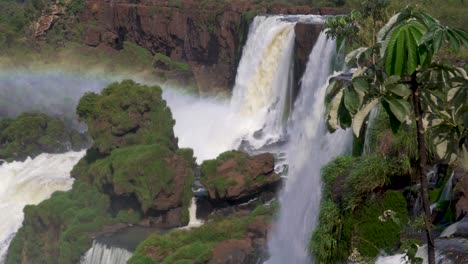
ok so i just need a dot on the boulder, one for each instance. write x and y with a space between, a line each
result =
236 176
457 229
134 158
232 251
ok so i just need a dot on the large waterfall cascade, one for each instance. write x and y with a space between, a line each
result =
28 183
309 148
264 76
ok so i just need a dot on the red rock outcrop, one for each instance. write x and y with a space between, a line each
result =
206 34
235 176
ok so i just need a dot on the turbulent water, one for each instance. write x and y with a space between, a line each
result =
103 254
310 147
30 182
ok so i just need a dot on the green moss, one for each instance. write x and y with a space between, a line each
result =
325 239
162 61
57 230
195 245
127 114
372 235
434 195
351 219
31 134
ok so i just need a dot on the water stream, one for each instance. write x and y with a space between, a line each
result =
30 182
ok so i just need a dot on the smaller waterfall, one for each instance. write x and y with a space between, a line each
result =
193 221
103 254
447 191
367 149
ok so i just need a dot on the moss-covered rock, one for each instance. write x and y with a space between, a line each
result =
358 211
31 134
220 238
133 173
127 114
58 230
234 175
159 178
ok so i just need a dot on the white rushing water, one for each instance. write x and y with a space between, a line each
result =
206 124
310 147
103 254
265 77
30 182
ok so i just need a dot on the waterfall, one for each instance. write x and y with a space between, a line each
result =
264 76
103 254
310 147
193 221
447 191
30 182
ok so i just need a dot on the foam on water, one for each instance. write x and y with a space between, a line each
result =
27 183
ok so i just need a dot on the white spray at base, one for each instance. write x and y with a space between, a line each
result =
310 147
29 183
103 254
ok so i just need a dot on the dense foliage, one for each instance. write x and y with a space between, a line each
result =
134 154
356 193
31 134
195 245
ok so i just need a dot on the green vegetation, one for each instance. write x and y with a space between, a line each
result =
15 19
398 71
220 183
355 196
134 155
195 245
127 114
31 134
72 214
162 61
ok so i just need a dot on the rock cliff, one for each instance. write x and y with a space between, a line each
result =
209 35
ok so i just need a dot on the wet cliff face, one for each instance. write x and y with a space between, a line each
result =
207 34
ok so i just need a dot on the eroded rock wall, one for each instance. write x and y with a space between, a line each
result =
206 34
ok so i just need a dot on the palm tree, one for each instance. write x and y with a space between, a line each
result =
405 79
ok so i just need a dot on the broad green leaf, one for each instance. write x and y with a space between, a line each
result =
361 116
351 100
344 116
401 54
400 90
391 80
454 41
333 121
399 107
394 122
361 85
412 51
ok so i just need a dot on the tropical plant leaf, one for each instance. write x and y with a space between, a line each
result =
401 54
352 100
333 119
394 122
399 107
400 90
361 116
